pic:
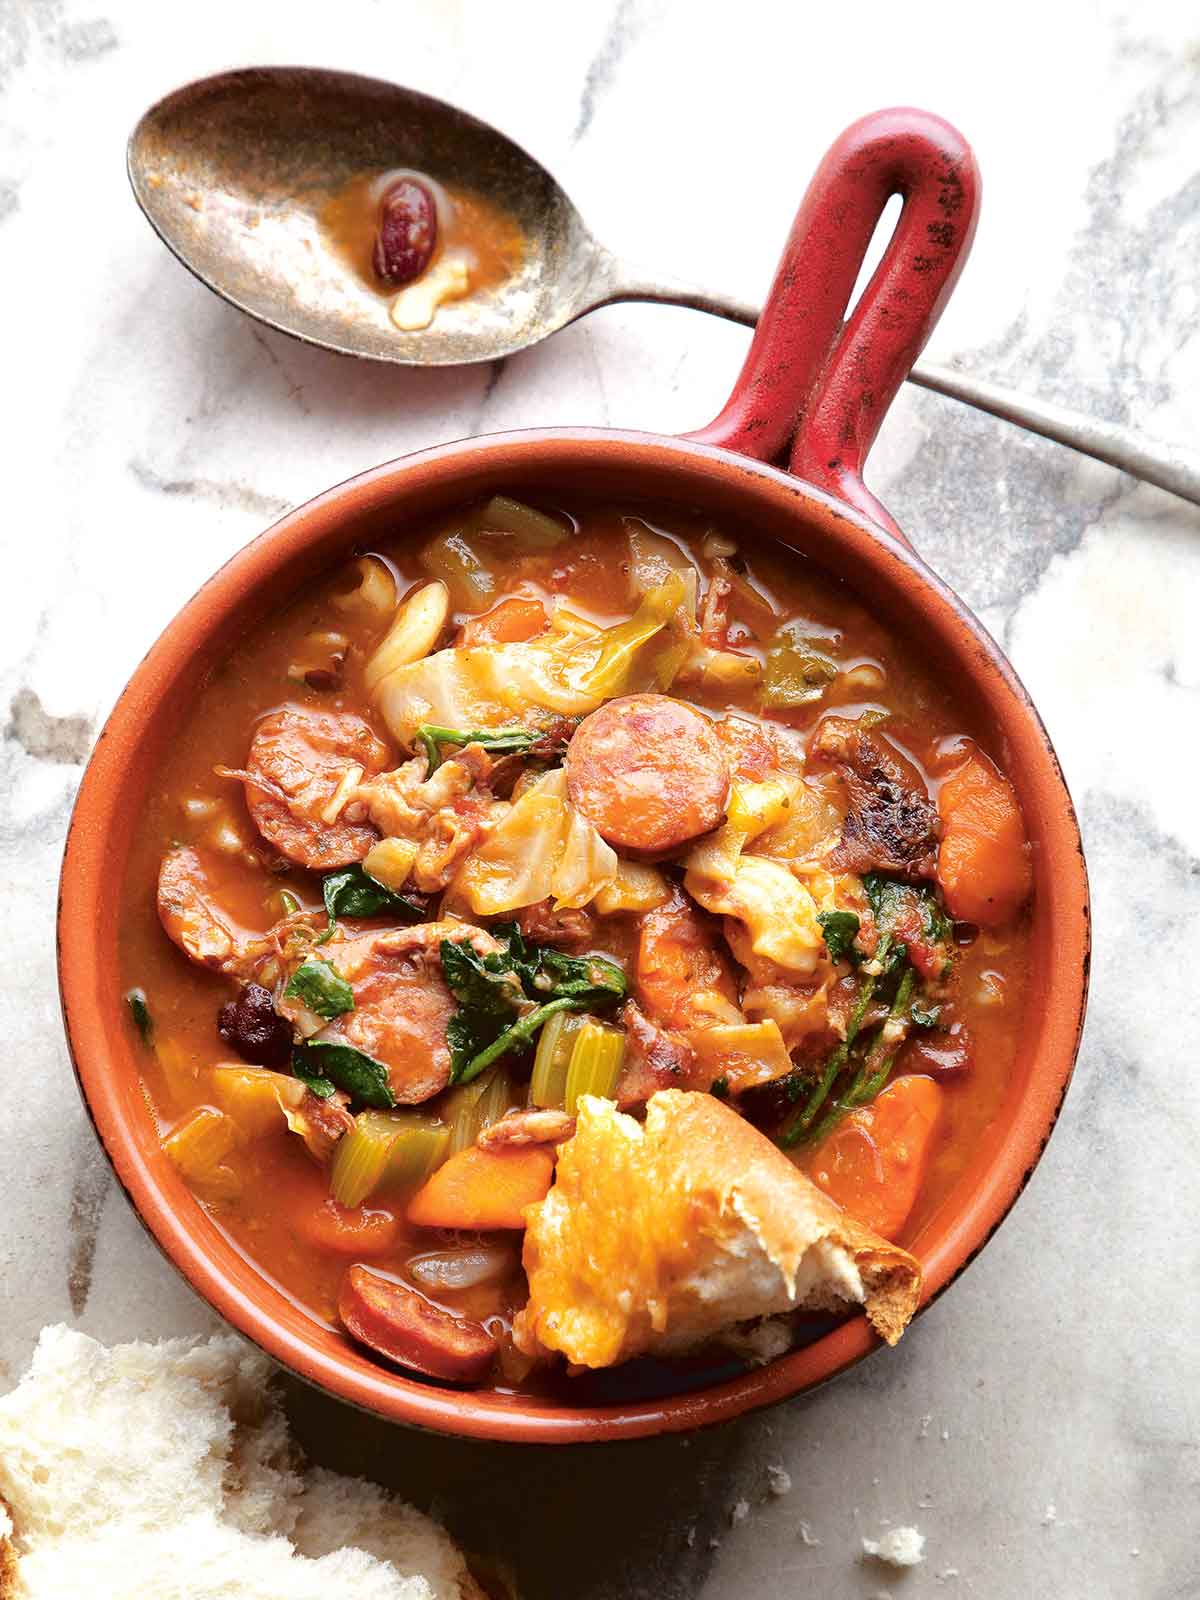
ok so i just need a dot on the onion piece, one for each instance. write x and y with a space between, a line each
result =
462 1269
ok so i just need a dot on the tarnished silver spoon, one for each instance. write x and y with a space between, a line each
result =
237 174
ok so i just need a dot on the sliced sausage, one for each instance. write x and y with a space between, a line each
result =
892 825
192 920
401 1003
683 979
648 772
299 759
397 1322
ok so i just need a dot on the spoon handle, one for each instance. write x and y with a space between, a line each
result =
1168 466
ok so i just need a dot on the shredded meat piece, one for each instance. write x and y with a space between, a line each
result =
714 614
321 1123
656 1058
528 1127
566 929
444 814
892 825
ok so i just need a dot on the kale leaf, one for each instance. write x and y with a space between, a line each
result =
495 991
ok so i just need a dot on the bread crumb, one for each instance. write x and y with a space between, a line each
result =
807 1536
1049 1515
779 1480
691 1536
1135 1551
946 1574
714 1543
926 1502
925 1421
899 1547
945 1434
738 1512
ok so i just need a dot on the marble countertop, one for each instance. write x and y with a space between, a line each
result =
1042 1423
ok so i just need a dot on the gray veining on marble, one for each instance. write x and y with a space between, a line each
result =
1042 1423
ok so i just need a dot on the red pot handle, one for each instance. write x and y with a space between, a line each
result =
814 388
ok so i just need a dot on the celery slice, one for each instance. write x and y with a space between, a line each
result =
476 1105
548 1086
534 528
422 1145
596 1060
393 1149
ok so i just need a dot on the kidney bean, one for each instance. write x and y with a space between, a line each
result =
255 1029
942 1052
407 234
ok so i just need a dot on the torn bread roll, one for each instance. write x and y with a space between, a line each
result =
167 1471
655 1238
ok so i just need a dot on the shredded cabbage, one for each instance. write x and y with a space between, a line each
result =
569 670
776 910
542 849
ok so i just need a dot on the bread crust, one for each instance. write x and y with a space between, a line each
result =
652 1234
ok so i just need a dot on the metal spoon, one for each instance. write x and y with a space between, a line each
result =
235 171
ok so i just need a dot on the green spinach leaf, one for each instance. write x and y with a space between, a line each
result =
839 928
362 1077
319 987
302 1069
498 741
352 892
494 992
140 1012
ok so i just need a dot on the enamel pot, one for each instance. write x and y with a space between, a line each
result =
784 457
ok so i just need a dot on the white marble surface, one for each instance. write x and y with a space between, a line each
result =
1041 1424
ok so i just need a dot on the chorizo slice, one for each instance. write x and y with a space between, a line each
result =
402 1005
892 824
301 765
192 919
396 1321
648 772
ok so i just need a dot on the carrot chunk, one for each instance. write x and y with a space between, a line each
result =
983 863
484 1188
511 621
873 1162
348 1231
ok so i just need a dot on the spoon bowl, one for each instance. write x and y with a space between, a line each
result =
235 172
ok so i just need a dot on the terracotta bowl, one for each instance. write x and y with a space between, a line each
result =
784 457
